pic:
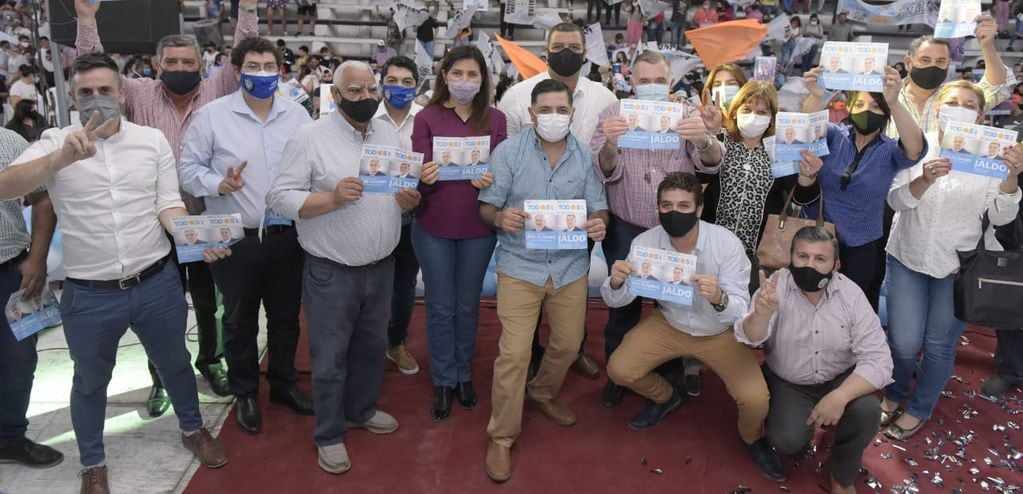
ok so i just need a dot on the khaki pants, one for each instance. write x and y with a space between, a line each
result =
518 307
654 341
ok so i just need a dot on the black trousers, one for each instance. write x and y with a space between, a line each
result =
791 405
403 297
860 264
269 272
1009 353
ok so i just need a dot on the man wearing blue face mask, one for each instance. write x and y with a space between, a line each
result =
232 154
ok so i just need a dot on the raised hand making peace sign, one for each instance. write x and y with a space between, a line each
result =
81 144
233 182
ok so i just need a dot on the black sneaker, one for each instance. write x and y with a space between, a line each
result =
693 384
29 453
612 395
766 459
997 385
649 417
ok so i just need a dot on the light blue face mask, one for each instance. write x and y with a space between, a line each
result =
652 92
725 95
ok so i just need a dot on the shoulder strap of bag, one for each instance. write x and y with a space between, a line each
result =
984 223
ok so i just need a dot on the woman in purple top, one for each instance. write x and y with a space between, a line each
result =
452 243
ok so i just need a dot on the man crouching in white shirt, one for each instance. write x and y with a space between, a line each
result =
115 189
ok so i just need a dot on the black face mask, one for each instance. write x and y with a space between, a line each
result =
867 122
678 224
180 82
565 62
361 111
928 77
809 279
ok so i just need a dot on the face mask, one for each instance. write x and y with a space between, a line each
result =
463 92
399 96
808 279
105 108
678 224
928 77
552 127
24 44
814 22
147 71
867 122
180 82
565 62
361 111
752 125
652 92
261 85
725 94
957 114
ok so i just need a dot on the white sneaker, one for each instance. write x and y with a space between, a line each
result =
379 423
334 458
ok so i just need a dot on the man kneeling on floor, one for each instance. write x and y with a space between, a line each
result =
826 355
702 330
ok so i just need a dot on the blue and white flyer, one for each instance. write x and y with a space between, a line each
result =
661 275
795 132
651 124
30 316
194 234
956 18
779 168
387 169
977 149
555 225
853 66
461 158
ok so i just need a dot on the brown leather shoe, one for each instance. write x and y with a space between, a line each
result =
498 462
94 480
585 366
554 410
206 448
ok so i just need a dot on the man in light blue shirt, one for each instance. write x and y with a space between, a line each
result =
702 330
231 155
542 163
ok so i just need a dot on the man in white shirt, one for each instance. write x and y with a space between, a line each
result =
115 191
400 78
231 155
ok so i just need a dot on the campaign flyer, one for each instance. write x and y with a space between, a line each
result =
327 103
194 234
651 124
556 225
764 68
661 275
956 18
779 168
795 132
977 149
853 66
461 158
387 169
30 316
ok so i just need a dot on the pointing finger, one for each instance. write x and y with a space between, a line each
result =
238 171
92 123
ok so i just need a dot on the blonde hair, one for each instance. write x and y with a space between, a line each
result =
748 93
949 87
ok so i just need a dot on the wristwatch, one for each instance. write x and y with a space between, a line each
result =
724 302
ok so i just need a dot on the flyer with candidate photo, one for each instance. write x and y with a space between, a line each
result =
194 234
956 18
651 123
764 68
555 225
779 168
30 316
661 275
853 66
977 149
795 132
461 158
387 169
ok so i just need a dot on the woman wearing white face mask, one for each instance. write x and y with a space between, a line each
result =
938 211
723 84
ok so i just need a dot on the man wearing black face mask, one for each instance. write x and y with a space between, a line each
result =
703 329
167 104
812 305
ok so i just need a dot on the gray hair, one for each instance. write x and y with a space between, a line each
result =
917 43
178 41
814 234
347 64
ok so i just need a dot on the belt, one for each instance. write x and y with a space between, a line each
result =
125 283
14 261
346 266
268 231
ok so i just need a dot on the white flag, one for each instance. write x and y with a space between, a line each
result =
459 21
596 52
520 11
406 16
424 62
547 20
777 27
651 8
479 5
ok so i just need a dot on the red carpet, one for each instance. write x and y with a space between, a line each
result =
695 450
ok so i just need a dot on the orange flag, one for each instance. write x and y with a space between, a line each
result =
727 41
524 60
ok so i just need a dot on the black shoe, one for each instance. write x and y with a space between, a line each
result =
247 414
158 402
466 395
292 398
693 384
442 402
649 417
997 385
766 459
612 395
215 375
31 454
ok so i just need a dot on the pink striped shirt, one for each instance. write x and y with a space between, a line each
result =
148 104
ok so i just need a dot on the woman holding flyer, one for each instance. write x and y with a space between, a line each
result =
451 242
859 168
938 212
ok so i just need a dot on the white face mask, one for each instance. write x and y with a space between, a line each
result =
957 114
752 125
725 95
552 127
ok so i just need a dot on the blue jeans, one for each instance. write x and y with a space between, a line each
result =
787 49
809 56
921 316
677 38
17 366
453 271
94 321
346 312
428 46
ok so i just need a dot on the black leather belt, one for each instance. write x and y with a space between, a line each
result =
268 231
14 261
125 283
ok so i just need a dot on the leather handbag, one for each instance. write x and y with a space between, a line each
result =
989 286
775 247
